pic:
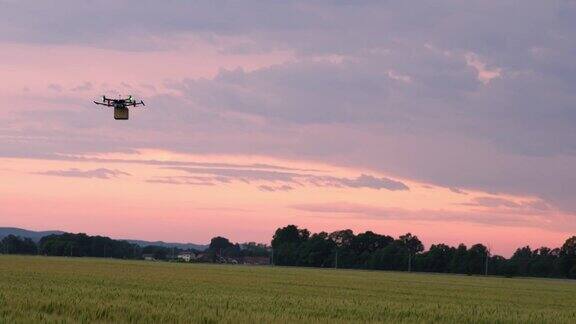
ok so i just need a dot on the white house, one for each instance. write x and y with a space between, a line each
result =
148 257
186 256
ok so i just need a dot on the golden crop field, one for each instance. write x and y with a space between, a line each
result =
34 289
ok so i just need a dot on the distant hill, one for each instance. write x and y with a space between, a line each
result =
184 246
36 236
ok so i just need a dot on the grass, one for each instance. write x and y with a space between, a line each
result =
34 289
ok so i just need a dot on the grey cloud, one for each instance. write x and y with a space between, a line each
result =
496 202
182 181
169 163
100 173
86 86
178 164
275 188
445 97
322 27
138 24
55 87
362 181
368 181
453 132
458 191
247 176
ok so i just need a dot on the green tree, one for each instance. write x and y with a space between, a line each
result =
219 244
437 258
344 255
458 264
12 244
476 259
286 245
412 245
317 251
254 249
568 258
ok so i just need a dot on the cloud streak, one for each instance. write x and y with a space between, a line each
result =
536 206
100 173
363 181
268 188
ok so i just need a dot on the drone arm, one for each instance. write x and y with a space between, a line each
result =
102 103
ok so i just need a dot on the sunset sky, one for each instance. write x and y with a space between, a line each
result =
452 120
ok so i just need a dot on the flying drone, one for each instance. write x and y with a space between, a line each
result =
120 106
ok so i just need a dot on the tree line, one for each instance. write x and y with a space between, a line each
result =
82 245
68 244
293 246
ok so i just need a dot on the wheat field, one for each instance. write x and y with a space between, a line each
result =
49 289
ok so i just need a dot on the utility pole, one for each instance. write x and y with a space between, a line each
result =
336 260
487 258
272 255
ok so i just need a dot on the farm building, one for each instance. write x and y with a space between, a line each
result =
186 256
